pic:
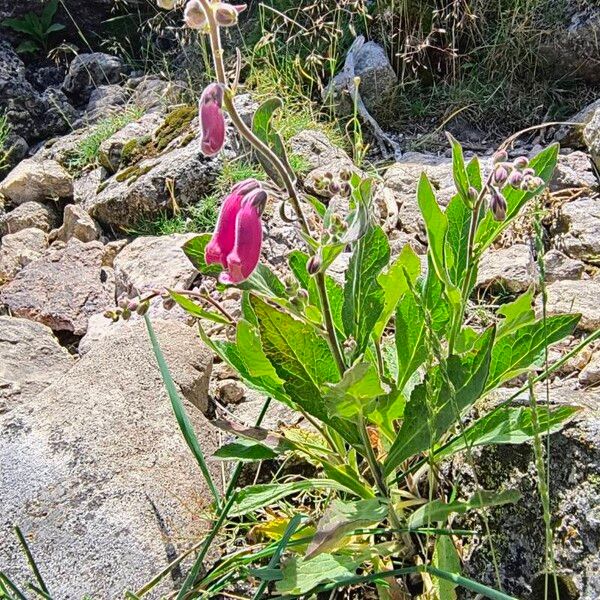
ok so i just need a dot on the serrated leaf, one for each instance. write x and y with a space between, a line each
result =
516 313
349 397
244 451
339 519
394 284
516 352
437 510
426 419
510 425
363 295
194 250
197 311
301 575
302 359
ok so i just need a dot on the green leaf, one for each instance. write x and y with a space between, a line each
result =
341 518
301 575
436 510
516 352
20 25
54 28
446 558
302 359
197 311
28 46
349 478
516 313
48 13
255 497
510 425
543 164
358 386
265 282
395 285
426 419
245 451
363 295
194 250
459 171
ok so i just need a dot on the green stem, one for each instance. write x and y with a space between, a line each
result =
329 325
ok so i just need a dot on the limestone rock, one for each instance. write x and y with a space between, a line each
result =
511 268
100 474
77 223
35 181
576 297
111 250
590 374
559 266
30 360
581 220
104 100
62 288
87 71
19 249
154 262
572 136
315 148
573 170
151 93
230 391
591 137
30 214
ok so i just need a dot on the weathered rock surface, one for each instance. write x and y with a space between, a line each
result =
29 214
591 136
151 93
30 360
154 262
559 266
511 268
88 71
590 374
77 223
572 136
576 297
17 250
316 149
62 288
580 220
97 473
104 100
573 170
36 181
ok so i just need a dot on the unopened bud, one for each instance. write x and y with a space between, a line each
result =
345 174
350 345
126 314
500 156
473 193
313 265
334 187
142 309
122 301
534 183
109 314
168 303
328 175
521 162
500 175
133 305
345 189
194 16
291 285
498 205
515 179
227 15
528 171
303 295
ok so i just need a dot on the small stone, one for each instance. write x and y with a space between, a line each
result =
30 214
512 269
590 375
19 249
580 221
36 181
231 391
559 266
111 250
78 224
88 71
575 297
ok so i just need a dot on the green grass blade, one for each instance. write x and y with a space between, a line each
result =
13 588
30 560
39 592
182 419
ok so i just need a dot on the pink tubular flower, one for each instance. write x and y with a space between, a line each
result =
223 239
212 121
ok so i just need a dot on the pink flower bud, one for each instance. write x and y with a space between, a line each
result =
498 205
212 121
194 16
515 179
227 15
500 156
500 175
521 162
223 239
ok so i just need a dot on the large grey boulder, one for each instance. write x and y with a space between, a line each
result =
97 474
88 71
575 297
30 360
512 269
62 288
29 214
19 249
35 180
580 221
591 137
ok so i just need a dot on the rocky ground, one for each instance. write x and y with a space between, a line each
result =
94 470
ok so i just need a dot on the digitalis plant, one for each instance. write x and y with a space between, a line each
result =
385 368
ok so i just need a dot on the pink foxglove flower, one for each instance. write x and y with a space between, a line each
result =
212 121
223 239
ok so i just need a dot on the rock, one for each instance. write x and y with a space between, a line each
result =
30 214
86 186
19 249
99 474
573 170
231 391
154 262
32 115
572 136
518 529
277 414
378 84
559 266
316 150
104 100
76 224
590 374
117 146
512 269
580 221
111 250
88 71
14 150
62 288
30 360
35 181
575 297
151 93
591 137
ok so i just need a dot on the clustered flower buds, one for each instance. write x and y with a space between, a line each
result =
126 307
237 240
332 185
195 17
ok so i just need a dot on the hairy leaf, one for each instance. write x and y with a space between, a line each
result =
516 313
197 311
194 250
245 451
